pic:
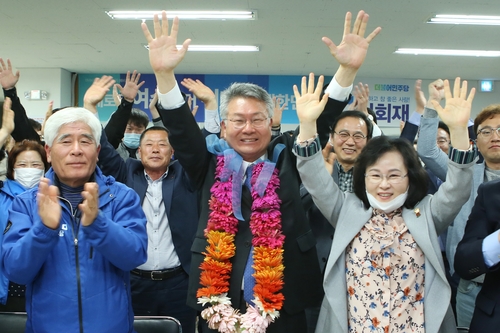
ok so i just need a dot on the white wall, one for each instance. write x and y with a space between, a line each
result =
56 81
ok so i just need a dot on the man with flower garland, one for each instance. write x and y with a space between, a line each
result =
257 217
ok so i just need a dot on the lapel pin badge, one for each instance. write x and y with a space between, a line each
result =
417 212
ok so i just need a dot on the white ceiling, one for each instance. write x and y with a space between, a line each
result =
78 36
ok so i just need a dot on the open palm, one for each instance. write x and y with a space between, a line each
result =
308 102
352 50
163 52
456 112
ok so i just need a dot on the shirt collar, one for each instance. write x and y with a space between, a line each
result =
158 180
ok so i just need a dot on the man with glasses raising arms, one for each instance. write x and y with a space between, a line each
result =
486 126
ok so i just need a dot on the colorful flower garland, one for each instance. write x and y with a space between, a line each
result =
265 224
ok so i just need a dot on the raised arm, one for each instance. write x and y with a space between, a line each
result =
118 121
185 136
202 92
7 121
277 116
163 53
207 96
362 96
350 55
411 126
310 163
433 157
23 130
455 191
456 113
156 117
96 92
352 50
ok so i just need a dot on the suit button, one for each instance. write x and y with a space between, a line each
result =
323 259
248 243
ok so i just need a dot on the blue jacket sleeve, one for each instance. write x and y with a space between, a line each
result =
120 234
27 243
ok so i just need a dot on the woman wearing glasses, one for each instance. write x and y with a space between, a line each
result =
385 271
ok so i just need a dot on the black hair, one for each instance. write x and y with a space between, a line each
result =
374 149
355 114
59 109
374 115
444 127
154 128
35 124
138 118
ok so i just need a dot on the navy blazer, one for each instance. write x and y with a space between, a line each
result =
179 195
469 259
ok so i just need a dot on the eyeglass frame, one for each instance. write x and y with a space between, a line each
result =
480 132
349 135
252 124
384 176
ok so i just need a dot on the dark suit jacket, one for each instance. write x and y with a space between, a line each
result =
179 196
23 129
302 276
469 261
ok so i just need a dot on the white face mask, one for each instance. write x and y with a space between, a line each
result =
389 206
28 177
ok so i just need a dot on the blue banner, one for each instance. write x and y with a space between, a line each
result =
390 99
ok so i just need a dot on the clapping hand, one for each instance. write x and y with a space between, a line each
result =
90 205
49 208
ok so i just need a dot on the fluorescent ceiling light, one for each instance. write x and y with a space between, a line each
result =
219 48
465 19
183 14
467 53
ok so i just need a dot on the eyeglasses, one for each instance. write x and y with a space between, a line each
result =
344 136
393 178
488 131
239 123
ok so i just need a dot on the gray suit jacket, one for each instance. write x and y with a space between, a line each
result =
348 215
437 161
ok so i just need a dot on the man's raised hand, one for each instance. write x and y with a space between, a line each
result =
163 53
